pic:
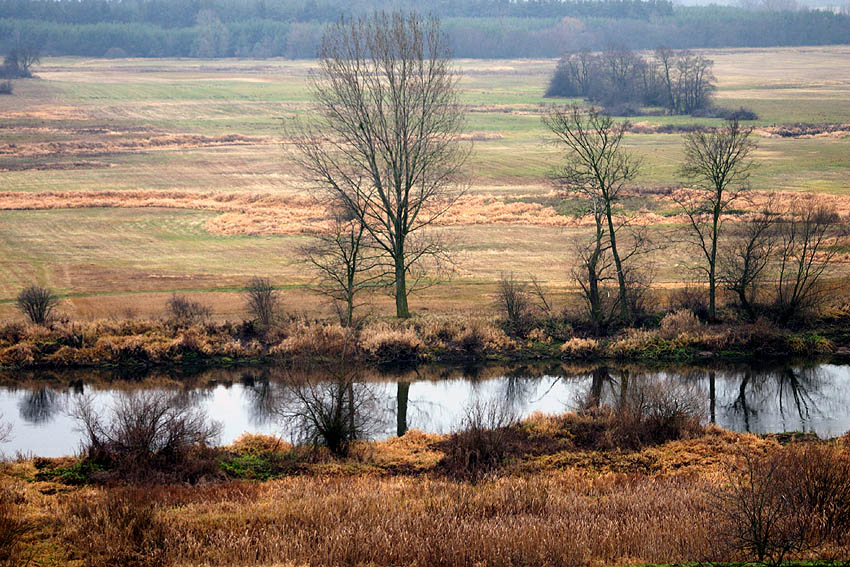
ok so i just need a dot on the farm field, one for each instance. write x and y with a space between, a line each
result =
122 181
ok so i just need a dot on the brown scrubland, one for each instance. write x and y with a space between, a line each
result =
577 489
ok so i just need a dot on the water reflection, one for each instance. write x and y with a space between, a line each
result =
805 397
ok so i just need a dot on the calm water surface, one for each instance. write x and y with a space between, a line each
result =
801 397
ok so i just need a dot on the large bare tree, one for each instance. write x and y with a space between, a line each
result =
717 164
597 168
386 140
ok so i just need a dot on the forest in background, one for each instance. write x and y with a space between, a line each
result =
476 29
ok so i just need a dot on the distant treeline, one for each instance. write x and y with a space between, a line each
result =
483 28
183 13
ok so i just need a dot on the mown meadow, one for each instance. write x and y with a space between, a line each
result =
145 151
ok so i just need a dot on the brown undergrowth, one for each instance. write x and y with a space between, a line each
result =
558 501
419 339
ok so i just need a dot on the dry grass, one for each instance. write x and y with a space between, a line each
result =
565 506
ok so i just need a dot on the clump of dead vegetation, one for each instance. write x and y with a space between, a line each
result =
580 488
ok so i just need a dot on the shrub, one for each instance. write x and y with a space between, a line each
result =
480 445
37 303
305 338
651 412
784 502
120 527
515 307
184 312
149 434
6 87
692 298
385 343
679 322
578 347
263 301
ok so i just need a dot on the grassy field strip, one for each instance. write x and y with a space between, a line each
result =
104 113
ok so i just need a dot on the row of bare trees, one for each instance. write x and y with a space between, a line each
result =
787 248
384 151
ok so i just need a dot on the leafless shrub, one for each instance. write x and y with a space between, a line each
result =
5 430
183 311
148 433
263 301
347 262
120 527
13 528
332 413
515 306
651 412
690 297
785 502
37 303
480 444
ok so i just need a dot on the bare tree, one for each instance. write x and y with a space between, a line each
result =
347 262
388 109
687 79
806 250
718 165
744 263
263 301
37 303
597 168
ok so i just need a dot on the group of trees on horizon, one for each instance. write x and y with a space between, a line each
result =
478 29
679 81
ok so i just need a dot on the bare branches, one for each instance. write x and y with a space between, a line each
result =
597 168
387 97
347 262
718 164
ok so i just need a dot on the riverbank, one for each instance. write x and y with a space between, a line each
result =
678 337
566 490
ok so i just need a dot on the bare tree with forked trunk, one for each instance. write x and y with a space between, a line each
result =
717 164
597 169
385 142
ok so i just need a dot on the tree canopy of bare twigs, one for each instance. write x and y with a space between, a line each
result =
263 300
386 140
806 252
37 303
717 164
598 168
347 262
745 261
791 251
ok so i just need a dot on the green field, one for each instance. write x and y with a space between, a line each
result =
88 125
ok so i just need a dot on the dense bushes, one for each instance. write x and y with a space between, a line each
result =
148 436
786 502
623 81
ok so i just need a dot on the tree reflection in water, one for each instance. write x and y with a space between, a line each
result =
332 412
41 405
791 389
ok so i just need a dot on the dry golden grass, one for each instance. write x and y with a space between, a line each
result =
388 504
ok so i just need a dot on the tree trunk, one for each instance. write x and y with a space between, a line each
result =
621 277
401 310
712 265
